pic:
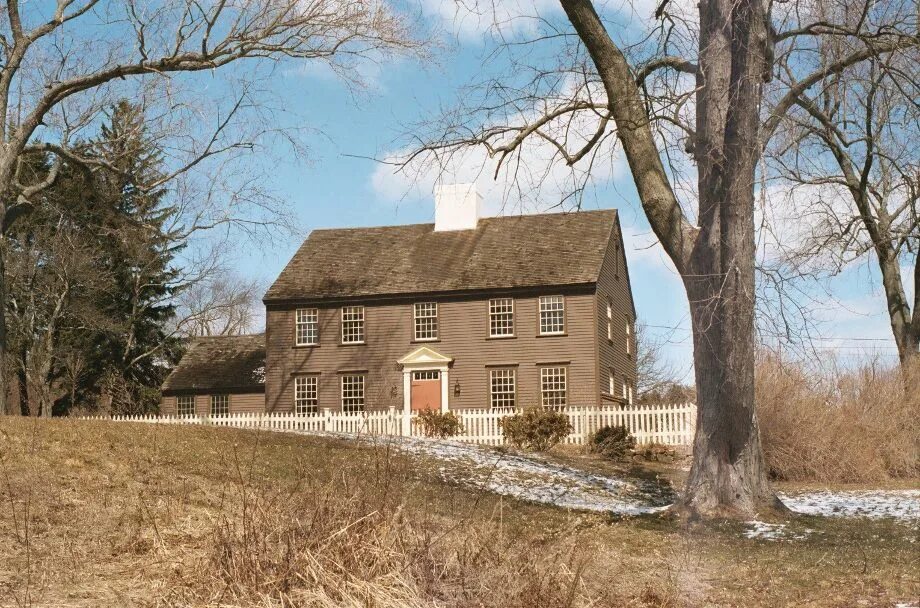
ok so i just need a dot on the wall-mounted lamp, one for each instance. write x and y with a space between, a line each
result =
456 389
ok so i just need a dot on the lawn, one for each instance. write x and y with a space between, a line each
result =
115 514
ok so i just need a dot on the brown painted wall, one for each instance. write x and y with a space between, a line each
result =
245 402
613 285
463 332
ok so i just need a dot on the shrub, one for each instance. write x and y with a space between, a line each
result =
439 424
613 442
855 425
535 429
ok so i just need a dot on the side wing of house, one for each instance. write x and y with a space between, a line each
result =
616 317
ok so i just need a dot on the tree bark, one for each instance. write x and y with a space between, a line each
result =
5 401
716 261
728 477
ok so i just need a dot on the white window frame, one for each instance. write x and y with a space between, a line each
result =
306 327
553 307
306 395
507 396
554 386
624 389
609 320
501 317
611 382
630 400
425 321
628 336
352 320
353 392
220 397
189 405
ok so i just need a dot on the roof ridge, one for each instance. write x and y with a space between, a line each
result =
482 219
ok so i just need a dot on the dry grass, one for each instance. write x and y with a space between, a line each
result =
102 514
843 427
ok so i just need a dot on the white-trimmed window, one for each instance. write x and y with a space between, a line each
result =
629 399
553 386
624 389
502 387
610 382
501 317
628 336
185 405
306 394
609 320
353 393
425 315
306 327
352 325
220 405
552 315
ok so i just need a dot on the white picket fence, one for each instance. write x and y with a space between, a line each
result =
666 424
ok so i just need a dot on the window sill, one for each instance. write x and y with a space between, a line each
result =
424 341
352 343
554 335
508 337
305 346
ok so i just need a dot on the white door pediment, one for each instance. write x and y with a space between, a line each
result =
424 356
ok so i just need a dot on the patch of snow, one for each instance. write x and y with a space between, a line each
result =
767 531
533 479
874 504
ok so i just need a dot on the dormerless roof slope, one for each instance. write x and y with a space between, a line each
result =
220 363
502 252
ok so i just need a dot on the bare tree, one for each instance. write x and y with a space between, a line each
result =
691 108
64 62
654 373
220 305
850 154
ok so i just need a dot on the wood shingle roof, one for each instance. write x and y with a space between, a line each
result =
232 364
555 249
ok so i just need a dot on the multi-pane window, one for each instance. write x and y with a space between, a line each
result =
220 405
501 387
630 394
353 393
306 326
628 336
610 387
185 405
609 320
624 389
306 394
501 317
552 386
352 324
552 315
426 320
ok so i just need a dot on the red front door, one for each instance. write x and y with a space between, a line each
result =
426 390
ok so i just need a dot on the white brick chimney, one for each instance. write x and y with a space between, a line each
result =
456 207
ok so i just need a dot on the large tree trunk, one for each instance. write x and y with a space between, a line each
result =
5 384
716 261
728 477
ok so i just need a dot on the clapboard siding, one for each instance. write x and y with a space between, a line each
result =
613 285
463 335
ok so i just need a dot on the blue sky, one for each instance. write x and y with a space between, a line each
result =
339 187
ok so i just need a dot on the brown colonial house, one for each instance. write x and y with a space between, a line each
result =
463 313
217 375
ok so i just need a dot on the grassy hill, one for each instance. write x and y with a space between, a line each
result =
97 514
